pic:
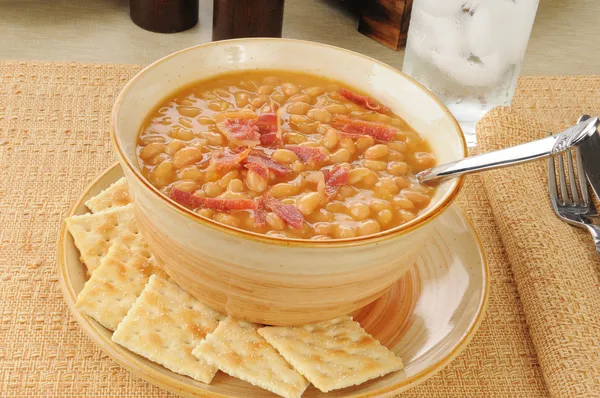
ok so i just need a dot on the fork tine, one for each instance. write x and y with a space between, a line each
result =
572 181
564 193
585 193
552 183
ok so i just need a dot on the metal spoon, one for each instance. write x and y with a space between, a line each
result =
514 155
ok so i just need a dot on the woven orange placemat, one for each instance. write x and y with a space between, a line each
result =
54 121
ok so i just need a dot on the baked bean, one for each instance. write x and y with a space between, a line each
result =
389 186
348 144
363 143
158 159
322 215
307 128
423 160
358 174
398 146
181 133
376 165
402 202
149 139
162 175
340 156
344 232
320 115
186 185
384 217
298 167
396 156
315 91
406 216
376 152
259 100
359 211
294 138
331 138
397 168
283 190
186 156
347 192
191 173
213 138
208 213
324 228
368 227
284 156
205 120
300 97
377 205
248 85
151 150
290 89
241 99
275 222
265 89
298 108
401 182
256 182
224 181
189 111
278 96
212 189
308 203
336 109
370 179
227 219
235 185
172 147
418 198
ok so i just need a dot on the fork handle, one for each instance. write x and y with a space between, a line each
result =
595 231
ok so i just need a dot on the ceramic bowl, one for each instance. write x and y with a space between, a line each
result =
266 279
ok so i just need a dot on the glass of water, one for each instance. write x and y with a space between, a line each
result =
469 53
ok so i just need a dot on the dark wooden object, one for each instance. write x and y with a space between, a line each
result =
234 19
386 21
164 16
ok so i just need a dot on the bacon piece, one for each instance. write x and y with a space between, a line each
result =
364 101
240 131
225 159
260 158
259 169
378 131
335 179
260 213
267 123
288 213
220 204
308 153
268 139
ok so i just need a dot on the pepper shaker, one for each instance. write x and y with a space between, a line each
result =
234 19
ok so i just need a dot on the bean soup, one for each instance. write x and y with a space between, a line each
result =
286 154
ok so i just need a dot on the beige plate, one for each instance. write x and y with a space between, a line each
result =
427 318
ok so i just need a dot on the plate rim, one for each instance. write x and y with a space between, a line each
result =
92 329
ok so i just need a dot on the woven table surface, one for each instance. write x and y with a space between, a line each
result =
54 121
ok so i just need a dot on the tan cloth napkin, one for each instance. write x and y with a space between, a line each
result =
556 267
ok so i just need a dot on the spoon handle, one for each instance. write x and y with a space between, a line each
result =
514 155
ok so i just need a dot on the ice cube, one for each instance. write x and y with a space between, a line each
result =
500 27
472 71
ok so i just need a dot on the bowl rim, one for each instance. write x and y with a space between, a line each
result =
400 230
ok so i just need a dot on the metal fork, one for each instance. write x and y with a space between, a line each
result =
576 209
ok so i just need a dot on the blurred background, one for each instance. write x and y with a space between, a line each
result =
565 38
